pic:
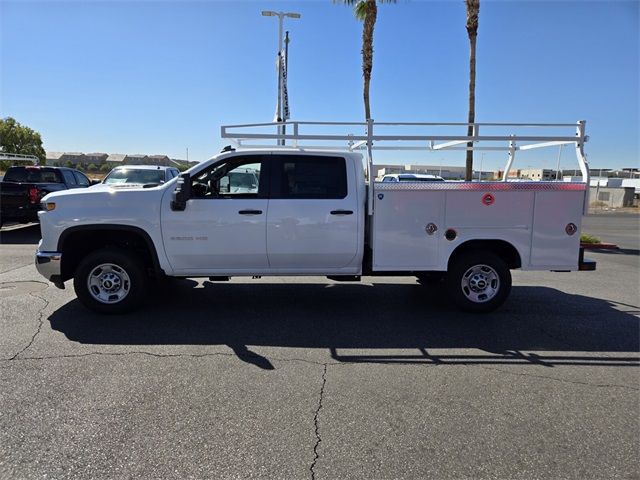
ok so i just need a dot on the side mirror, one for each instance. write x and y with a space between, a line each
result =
182 193
95 181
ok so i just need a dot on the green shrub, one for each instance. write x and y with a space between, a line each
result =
586 238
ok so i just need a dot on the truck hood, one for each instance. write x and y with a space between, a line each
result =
100 189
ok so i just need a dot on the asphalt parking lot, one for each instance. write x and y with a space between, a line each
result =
314 379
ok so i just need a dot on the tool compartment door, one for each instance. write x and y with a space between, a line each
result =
400 222
554 246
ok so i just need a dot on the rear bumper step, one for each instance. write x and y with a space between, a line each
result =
585 265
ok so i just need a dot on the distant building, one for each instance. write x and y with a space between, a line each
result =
71 157
115 159
95 158
159 160
542 174
135 159
53 157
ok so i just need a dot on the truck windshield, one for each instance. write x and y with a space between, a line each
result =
133 176
32 175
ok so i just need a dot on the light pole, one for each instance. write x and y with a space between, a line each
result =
280 106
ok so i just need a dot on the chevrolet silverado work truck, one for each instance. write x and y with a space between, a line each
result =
298 210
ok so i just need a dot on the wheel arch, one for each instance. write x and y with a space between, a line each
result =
76 242
505 250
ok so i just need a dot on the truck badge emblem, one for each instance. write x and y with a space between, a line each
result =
488 199
380 196
571 228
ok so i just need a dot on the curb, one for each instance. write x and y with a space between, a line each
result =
599 246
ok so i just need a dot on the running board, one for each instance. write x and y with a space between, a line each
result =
344 278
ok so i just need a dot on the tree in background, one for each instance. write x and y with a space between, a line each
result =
105 168
92 167
16 138
367 12
473 10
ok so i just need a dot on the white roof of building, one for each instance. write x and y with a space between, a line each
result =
116 157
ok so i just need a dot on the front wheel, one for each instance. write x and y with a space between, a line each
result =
110 281
478 281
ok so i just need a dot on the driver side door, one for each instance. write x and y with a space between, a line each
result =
223 227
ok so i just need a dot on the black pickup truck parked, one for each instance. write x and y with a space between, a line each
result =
22 189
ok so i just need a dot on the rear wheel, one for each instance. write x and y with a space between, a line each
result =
478 281
110 281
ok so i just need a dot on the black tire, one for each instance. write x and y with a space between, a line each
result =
478 281
134 281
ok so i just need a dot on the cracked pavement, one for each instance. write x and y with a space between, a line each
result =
314 379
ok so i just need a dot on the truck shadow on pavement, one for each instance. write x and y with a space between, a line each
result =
562 329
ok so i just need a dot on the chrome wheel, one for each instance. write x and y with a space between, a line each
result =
480 283
108 283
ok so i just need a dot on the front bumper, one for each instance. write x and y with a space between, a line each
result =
48 265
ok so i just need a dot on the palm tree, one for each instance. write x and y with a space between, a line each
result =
367 12
473 9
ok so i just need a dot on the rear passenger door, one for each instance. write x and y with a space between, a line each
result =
312 222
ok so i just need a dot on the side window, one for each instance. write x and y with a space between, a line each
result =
237 177
69 179
309 177
81 179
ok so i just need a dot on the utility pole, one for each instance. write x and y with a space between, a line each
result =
280 104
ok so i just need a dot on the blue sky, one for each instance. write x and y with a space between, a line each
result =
158 77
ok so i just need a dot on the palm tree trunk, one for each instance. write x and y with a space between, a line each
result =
367 52
472 103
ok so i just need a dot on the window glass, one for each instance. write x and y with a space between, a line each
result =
68 177
31 175
81 179
310 177
135 176
235 178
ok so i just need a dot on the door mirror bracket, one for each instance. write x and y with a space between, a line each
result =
182 193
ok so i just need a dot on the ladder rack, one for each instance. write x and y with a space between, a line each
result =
368 136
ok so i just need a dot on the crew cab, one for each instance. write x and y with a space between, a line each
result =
23 187
307 211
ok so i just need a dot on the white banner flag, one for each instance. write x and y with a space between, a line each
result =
285 93
281 68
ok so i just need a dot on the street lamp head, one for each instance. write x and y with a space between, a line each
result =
268 13
292 15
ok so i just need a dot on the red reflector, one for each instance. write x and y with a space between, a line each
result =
34 196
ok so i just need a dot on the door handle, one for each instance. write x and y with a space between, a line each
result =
250 212
341 212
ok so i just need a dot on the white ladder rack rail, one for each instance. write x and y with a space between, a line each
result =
14 157
242 133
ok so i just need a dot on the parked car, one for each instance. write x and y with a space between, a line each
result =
411 177
23 187
135 175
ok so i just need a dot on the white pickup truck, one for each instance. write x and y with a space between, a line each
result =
308 211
